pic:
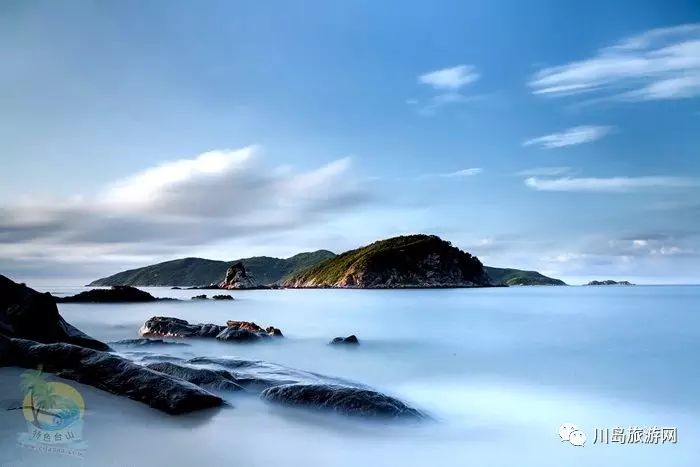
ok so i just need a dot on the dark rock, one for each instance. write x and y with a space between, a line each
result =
235 331
350 340
176 288
116 294
199 297
273 331
146 342
163 326
345 400
28 314
220 380
257 375
110 373
222 297
238 278
240 335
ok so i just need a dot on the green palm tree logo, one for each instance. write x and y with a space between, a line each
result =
42 398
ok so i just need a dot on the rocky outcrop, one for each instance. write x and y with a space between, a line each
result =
413 261
219 380
146 343
609 282
222 297
341 399
238 278
350 340
28 314
235 331
116 294
110 373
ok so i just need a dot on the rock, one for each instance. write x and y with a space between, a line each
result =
274 332
345 400
609 282
240 335
145 342
176 288
163 326
222 297
235 331
257 375
110 373
238 278
350 340
220 380
116 294
199 297
28 314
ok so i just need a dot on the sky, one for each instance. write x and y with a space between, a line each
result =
560 136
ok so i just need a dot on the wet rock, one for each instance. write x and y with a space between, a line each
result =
257 375
28 314
240 335
116 294
222 297
145 342
220 380
110 373
350 340
345 400
199 297
164 326
235 331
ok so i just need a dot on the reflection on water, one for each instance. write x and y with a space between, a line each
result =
500 370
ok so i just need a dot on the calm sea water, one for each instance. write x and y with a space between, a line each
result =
499 369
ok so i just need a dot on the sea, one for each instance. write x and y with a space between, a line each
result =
499 371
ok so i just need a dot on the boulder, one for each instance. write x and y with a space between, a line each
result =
345 400
199 297
164 326
145 343
116 294
350 340
235 331
28 314
220 380
110 373
238 278
222 297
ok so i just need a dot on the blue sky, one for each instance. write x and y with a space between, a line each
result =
557 136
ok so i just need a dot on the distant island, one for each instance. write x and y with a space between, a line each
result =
404 261
609 282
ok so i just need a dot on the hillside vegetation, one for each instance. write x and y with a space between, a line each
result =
405 261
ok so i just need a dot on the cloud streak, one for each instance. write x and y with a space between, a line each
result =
657 64
450 79
570 137
218 195
609 184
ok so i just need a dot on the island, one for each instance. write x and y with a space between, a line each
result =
609 282
263 272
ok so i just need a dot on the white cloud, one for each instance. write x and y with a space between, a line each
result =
570 137
218 195
544 171
464 172
657 64
450 79
610 184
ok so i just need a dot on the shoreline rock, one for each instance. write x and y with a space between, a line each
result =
350 340
110 373
236 331
115 294
345 400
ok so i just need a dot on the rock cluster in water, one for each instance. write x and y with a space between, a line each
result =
236 331
350 340
115 294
